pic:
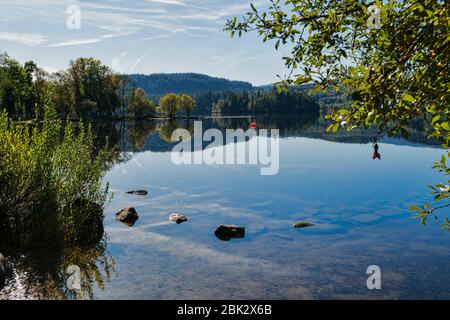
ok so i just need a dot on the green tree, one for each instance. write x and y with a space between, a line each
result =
391 57
19 94
187 103
125 82
169 105
95 88
140 105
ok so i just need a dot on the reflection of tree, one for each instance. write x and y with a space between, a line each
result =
288 126
139 131
166 128
124 136
41 273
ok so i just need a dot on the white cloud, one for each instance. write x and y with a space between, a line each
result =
173 2
195 28
28 39
138 60
75 42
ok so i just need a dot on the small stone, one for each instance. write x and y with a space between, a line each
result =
302 224
128 216
178 218
138 192
228 232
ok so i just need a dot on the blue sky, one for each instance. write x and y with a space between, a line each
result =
139 36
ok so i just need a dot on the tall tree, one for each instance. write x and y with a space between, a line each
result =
95 88
169 105
18 93
125 82
187 103
140 105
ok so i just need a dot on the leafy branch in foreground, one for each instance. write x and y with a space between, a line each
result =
440 191
394 73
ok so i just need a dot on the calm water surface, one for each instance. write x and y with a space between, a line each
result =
359 206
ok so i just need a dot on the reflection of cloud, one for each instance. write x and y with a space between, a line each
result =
184 248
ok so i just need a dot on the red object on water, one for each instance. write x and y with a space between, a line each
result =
253 125
376 154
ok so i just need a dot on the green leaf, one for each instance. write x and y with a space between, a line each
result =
407 97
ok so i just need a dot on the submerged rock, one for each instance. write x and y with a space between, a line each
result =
127 216
138 192
302 224
178 218
227 232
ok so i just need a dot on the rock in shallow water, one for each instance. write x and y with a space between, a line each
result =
178 218
138 192
303 224
128 216
227 232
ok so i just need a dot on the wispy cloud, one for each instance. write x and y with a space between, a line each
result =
172 2
138 61
28 39
184 35
75 42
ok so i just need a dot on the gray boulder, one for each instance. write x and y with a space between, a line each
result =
127 216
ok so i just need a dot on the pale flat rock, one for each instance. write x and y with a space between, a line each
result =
177 218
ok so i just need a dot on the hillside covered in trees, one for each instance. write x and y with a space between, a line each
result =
265 102
89 89
158 84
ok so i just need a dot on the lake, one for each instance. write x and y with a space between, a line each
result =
359 207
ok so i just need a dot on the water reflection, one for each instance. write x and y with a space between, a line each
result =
155 135
42 273
356 224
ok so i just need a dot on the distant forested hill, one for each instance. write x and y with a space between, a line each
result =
161 83
254 102
326 100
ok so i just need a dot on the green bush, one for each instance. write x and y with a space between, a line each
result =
51 190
